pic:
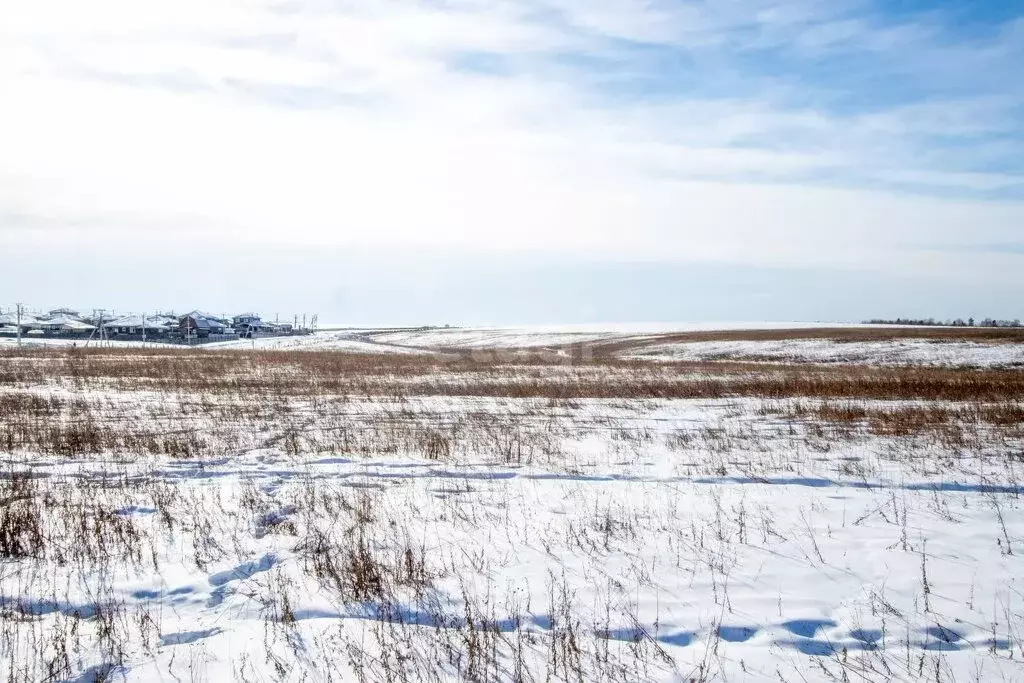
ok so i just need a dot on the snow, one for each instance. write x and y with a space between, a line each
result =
637 342
151 322
763 559
391 537
889 352
12 319
63 322
550 335
77 342
320 341
817 570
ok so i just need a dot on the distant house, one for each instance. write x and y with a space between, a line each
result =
248 324
63 312
133 325
63 325
9 322
280 328
200 325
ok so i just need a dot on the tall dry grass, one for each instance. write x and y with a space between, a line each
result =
528 376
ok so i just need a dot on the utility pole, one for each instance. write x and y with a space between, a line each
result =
18 307
97 316
93 333
143 329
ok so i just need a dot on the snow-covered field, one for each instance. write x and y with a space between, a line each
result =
554 335
201 517
342 340
889 352
656 342
625 576
380 339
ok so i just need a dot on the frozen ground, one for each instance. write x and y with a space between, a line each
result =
654 577
889 352
555 335
350 341
656 342
393 532
669 343
29 342
380 339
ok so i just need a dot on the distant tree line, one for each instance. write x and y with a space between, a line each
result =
959 322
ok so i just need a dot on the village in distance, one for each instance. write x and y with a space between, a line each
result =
189 328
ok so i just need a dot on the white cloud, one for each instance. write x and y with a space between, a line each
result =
347 123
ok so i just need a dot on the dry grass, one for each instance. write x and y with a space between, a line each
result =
138 403
195 404
284 373
1013 335
954 425
372 550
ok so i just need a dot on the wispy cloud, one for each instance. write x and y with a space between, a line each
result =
770 131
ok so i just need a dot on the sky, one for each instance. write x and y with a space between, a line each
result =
515 161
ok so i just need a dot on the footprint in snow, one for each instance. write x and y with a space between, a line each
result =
807 628
244 571
186 637
736 634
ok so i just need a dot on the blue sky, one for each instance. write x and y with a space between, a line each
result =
760 147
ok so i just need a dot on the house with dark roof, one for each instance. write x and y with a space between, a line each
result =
197 325
248 324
